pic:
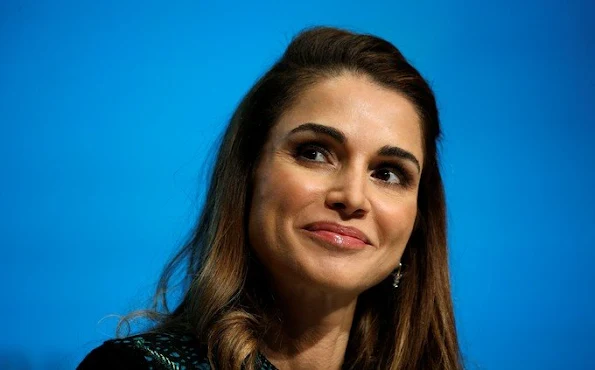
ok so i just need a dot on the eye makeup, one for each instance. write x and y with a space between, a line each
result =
405 179
337 136
317 152
308 151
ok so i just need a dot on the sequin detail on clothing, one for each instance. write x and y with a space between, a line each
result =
167 351
164 351
264 363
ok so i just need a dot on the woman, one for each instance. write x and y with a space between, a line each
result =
322 243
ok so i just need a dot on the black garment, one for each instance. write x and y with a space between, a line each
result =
153 351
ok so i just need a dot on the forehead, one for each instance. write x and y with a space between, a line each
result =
370 115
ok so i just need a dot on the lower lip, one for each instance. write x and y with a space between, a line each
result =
338 240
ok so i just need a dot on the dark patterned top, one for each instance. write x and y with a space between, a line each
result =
154 351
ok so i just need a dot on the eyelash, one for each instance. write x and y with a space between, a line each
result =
404 177
300 149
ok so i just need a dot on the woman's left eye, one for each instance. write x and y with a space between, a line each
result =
388 175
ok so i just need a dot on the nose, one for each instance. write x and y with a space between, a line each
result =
348 195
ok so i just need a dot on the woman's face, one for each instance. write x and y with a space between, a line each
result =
335 192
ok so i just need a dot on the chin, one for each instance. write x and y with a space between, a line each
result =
337 271
336 280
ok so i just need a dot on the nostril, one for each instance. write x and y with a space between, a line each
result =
339 206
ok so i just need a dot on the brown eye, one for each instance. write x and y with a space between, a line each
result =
311 152
388 175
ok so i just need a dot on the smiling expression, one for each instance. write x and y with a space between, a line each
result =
335 191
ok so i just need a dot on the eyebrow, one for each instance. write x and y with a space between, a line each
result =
321 129
393 151
339 136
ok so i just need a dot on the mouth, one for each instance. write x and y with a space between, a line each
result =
339 236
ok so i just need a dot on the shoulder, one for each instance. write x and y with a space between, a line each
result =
150 351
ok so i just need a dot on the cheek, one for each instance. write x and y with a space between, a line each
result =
282 193
284 190
396 222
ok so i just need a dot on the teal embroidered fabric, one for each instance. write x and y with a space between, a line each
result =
154 351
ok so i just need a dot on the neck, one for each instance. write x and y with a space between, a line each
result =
313 331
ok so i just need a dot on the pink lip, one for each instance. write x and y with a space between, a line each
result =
345 237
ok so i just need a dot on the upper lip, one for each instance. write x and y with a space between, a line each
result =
339 229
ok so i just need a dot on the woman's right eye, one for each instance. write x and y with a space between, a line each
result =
312 152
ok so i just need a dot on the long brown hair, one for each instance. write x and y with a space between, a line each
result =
225 302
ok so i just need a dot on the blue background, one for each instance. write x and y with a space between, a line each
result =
108 112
